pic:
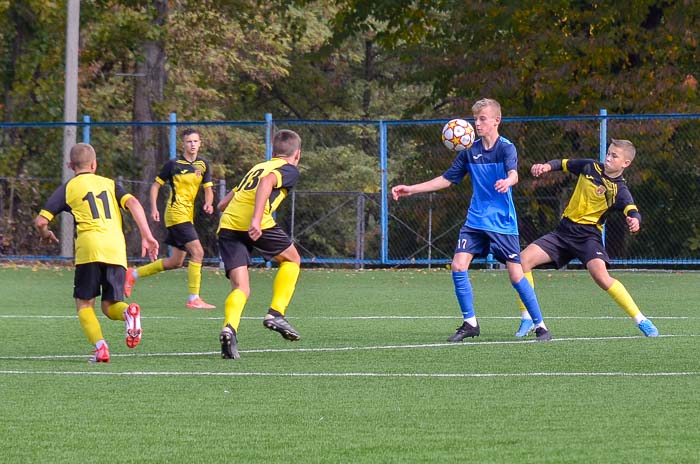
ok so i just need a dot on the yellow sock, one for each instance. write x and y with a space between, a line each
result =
528 276
619 294
116 311
233 308
90 324
283 286
151 268
194 277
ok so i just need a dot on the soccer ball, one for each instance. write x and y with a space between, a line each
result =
458 135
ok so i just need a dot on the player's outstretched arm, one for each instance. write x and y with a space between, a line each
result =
538 169
149 245
438 183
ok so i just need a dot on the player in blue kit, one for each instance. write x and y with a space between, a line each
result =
491 225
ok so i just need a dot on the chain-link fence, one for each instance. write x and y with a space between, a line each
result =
341 212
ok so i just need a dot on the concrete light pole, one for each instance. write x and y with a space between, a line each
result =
70 113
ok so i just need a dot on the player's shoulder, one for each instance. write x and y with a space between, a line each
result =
505 141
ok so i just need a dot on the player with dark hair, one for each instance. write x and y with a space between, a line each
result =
600 189
247 224
184 175
100 247
491 225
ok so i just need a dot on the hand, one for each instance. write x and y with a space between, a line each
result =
399 191
49 237
254 231
501 185
149 245
632 224
538 169
155 215
209 209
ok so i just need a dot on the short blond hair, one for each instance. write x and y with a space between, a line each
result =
626 146
486 102
81 155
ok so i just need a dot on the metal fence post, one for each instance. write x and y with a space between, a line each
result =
268 136
384 191
86 129
603 146
173 136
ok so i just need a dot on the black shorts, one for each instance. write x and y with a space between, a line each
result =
570 240
93 279
236 246
181 234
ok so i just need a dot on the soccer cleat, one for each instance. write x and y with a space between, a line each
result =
281 325
542 334
229 343
526 327
101 354
198 303
463 331
129 282
132 319
648 328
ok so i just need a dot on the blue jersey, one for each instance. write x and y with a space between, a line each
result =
489 209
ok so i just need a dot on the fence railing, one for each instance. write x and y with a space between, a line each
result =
342 212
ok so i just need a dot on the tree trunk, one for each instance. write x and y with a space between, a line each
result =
150 142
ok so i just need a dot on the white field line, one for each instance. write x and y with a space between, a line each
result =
359 318
357 374
342 348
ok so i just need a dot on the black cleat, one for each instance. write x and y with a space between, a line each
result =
542 334
281 325
229 343
464 331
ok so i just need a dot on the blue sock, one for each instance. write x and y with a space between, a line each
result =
529 299
463 290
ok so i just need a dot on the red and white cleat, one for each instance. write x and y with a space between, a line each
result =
132 318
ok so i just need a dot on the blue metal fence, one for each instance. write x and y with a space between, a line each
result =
327 219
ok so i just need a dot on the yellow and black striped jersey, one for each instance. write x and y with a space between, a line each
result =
239 212
595 194
184 178
94 202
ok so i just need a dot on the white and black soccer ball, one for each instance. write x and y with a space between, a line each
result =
458 135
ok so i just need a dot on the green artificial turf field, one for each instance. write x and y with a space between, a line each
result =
372 379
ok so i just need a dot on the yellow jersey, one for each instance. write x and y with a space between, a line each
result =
184 178
94 201
239 212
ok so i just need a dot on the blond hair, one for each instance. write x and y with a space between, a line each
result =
81 155
485 102
626 146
